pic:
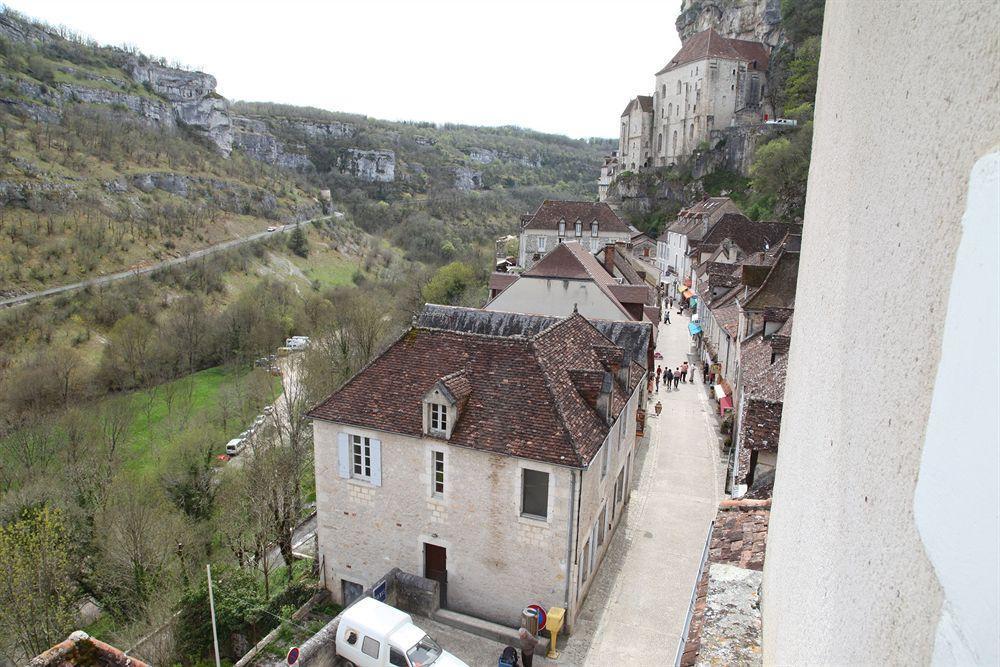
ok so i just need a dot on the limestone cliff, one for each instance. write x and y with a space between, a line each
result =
193 98
370 165
755 20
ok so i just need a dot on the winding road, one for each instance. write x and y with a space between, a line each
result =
152 268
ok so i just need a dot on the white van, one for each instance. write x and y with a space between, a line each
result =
234 446
373 634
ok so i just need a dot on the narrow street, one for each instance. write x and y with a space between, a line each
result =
636 611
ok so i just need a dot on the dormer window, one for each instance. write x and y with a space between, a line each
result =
438 418
578 228
562 228
593 229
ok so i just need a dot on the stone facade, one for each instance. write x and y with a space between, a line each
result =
752 20
535 243
498 560
634 134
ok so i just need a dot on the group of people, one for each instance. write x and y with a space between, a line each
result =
674 376
668 304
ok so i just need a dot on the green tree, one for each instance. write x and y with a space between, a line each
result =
298 243
37 589
451 284
802 19
780 170
238 602
800 87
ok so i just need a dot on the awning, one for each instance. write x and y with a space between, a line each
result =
720 393
725 404
694 328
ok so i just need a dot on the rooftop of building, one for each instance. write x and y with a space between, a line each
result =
710 44
644 102
80 649
750 236
534 398
633 336
550 212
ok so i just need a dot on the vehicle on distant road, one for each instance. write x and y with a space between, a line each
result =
789 122
235 446
272 229
373 634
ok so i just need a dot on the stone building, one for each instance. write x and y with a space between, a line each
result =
571 279
497 466
593 224
712 83
609 169
634 134
691 225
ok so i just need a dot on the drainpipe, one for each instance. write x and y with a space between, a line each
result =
573 544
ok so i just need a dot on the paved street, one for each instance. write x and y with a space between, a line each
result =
635 613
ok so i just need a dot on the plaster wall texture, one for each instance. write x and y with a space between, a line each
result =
556 297
497 560
884 209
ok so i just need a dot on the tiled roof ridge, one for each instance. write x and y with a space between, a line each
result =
546 379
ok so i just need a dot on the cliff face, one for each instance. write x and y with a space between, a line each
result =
755 20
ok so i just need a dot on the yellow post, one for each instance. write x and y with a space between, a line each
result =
554 624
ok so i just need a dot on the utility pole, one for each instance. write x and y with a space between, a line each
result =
211 606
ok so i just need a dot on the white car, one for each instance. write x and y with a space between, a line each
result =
234 446
272 229
373 634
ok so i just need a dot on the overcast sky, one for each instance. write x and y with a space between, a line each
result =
563 66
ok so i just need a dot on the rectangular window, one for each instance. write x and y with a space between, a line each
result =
437 462
535 493
600 529
620 486
439 418
370 647
605 458
585 569
541 243
361 457
594 229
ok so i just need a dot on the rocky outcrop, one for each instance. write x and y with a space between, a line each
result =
254 138
316 129
21 31
368 165
754 20
193 98
482 155
468 179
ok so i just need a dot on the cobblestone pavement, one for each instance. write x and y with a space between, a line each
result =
635 612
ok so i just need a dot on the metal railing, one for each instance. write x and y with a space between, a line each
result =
682 642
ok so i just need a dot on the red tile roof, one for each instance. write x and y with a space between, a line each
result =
550 212
500 281
710 44
571 261
526 396
645 103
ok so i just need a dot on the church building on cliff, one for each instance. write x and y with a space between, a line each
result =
712 83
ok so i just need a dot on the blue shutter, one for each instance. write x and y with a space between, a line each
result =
343 456
376 462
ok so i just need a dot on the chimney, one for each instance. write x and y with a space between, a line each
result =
609 258
623 370
604 398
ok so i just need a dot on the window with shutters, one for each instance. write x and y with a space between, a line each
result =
562 228
594 229
578 228
541 243
437 466
361 457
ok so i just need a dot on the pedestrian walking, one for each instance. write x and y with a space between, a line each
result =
677 376
528 644
668 378
704 372
657 383
666 316
684 371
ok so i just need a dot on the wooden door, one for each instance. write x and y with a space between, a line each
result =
436 568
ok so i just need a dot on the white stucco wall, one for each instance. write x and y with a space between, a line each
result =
854 573
556 297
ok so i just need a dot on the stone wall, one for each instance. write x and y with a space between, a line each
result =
753 20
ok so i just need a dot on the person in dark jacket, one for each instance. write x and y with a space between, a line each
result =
668 377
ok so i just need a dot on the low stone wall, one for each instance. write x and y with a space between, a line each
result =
405 591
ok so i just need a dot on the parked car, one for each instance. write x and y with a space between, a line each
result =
234 446
782 121
272 229
268 410
373 634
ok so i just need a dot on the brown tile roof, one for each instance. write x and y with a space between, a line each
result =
501 281
571 261
710 44
645 103
631 293
550 212
522 402
638 337
83 650
748 235
761 379
778 289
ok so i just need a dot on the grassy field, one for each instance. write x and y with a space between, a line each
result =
216 403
